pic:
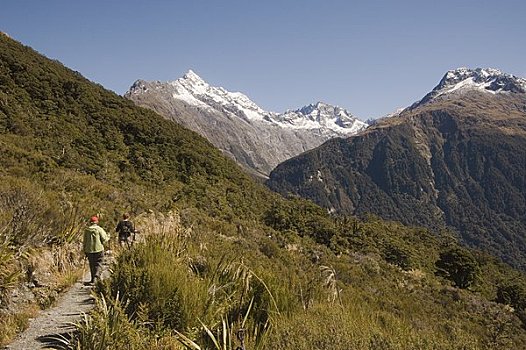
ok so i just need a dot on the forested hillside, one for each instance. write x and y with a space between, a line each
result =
220 253
59 129
457 163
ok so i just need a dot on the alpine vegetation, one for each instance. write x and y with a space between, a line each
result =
220 261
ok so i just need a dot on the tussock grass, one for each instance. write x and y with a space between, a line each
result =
13 323
188 287
108 328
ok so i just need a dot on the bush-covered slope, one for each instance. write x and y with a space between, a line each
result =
69 149
456 163
55 126
298 277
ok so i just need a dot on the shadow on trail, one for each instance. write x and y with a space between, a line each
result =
56 341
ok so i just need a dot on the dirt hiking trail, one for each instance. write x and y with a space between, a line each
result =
52 327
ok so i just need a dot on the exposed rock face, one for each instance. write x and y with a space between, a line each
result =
255 138
456 160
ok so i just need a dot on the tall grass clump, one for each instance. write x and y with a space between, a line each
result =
167 284
39 250
108 328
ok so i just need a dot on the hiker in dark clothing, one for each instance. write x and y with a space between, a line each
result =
94 239
125 229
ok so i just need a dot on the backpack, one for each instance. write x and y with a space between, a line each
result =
125 229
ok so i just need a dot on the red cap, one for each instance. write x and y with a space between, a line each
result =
94 219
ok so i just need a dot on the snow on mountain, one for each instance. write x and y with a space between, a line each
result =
196 92
321 115
488 80
395 113
257 139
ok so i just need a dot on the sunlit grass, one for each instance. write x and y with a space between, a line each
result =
13 323
192 289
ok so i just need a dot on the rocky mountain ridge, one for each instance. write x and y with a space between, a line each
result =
255 138
461 80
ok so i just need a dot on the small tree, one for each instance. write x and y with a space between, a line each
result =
459 266
397 254
513 294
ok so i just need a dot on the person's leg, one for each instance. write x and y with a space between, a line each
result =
98 265
92 260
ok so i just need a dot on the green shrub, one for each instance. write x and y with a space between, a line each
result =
513 294
397 255
459 266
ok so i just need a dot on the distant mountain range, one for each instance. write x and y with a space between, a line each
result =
255 138
456 159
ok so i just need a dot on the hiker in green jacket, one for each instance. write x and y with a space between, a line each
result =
94 239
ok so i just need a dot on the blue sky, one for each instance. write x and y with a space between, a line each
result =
370 57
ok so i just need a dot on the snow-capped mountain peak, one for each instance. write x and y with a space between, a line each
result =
256 138
192 76
323 115
192 83
488 80
194 91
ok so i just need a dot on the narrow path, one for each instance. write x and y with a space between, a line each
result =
51 327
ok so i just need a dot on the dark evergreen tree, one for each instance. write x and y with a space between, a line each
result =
459 266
